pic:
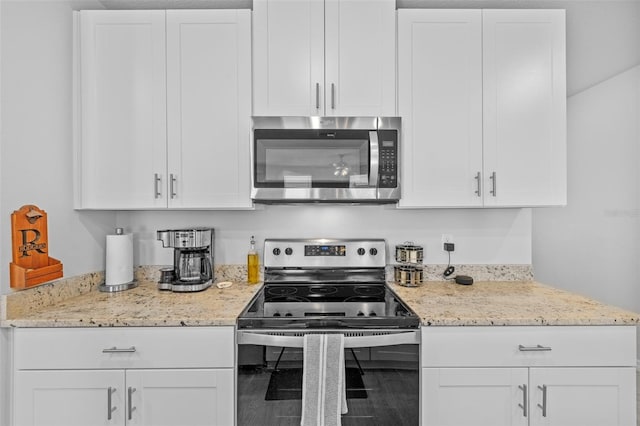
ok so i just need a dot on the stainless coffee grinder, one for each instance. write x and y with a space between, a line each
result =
192 259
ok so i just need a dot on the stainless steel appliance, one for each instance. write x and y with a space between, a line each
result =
326 159
328 286
192 259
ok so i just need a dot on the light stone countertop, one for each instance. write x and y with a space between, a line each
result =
76 302
501 303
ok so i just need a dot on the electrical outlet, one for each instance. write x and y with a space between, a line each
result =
447 242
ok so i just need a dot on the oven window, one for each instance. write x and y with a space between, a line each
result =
311 159
382 386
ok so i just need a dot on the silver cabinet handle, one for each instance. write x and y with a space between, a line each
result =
172 185
114 350
131 408
493 184
478 193
333 96
537 348
157 180
524 400
110 409
317 95
543 388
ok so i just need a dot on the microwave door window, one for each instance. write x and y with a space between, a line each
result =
297 163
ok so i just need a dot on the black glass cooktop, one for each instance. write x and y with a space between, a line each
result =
300 306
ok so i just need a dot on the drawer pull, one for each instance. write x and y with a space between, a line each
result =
110 409
115 350
537 348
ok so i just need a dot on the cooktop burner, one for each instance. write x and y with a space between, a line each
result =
280 291
323 293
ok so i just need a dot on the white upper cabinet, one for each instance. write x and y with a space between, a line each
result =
164 105
288 57
324 57
123 109
440 93
524 79
208 108
483 101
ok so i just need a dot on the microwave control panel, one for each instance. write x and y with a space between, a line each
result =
388 169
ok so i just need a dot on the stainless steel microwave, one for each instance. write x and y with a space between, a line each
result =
325 159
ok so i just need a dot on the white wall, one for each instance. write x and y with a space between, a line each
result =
481 236
593 245
35 138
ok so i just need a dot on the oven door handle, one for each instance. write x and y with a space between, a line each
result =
267 339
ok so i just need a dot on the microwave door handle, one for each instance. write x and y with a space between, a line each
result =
374 158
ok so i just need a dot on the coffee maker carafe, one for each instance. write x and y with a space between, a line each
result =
192 259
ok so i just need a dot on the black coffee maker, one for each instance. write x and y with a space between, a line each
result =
192 259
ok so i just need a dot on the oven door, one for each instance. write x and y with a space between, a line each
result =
382 376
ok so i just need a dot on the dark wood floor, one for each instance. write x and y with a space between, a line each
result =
392 400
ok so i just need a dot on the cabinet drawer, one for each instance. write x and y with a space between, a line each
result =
124 347
529 346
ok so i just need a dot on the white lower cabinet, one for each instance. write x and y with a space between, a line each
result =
552 376
112 387
69 398
522 396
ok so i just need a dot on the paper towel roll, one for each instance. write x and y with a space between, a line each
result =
119 269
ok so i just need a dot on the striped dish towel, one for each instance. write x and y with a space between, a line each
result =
324 394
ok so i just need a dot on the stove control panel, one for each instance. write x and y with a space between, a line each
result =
325 250
323 253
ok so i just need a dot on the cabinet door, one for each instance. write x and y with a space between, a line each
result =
583 396
440 102
180 397
209 108
288 57
123 103
360 57
524 107
474 396
69 398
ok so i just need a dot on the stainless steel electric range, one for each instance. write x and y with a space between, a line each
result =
328 286
325 283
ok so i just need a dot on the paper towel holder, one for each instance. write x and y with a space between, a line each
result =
112 288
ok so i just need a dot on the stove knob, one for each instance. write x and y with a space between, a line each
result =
288 251
360 314
372 314
276 251
361 251
373 251
277 314
288 314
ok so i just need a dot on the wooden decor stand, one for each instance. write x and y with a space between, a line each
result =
30 248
